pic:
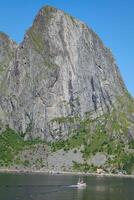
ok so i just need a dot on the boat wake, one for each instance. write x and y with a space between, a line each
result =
72 186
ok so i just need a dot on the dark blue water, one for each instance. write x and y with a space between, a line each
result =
59 187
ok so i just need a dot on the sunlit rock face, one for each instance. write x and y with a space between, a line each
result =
61 69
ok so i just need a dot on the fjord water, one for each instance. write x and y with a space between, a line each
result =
62 187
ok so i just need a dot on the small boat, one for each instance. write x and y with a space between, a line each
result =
81 184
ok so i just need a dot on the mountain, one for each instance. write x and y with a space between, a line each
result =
62 85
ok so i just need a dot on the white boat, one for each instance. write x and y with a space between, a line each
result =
81 184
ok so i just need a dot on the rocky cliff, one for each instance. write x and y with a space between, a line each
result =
62 85
60 72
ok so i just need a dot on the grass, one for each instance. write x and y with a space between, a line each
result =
95 145
83 167
123 162
131 144
11 143
36 40
73 142
2 68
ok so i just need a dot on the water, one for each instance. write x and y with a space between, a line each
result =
62 187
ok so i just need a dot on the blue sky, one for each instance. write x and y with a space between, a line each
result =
112 20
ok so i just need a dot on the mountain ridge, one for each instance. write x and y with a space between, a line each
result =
61 85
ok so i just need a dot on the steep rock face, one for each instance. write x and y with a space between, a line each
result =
61 69
7 54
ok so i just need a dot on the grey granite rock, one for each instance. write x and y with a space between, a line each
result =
99 159
62 160
60 69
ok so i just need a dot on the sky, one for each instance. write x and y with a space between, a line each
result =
112 20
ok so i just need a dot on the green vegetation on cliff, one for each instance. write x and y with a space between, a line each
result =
107 134
11 143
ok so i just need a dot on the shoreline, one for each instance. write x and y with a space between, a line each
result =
29 171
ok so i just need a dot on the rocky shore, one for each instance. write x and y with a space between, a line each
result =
29 171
